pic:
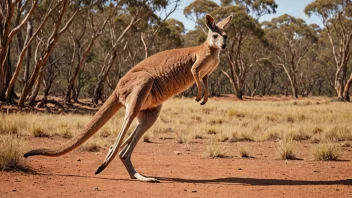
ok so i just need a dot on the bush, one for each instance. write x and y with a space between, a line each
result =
326 152
39 132
90 147
11 153
286 149
244 153
146 137
215 150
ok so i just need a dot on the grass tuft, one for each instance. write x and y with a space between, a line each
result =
11 148
147 137
183 137
326 152
90 147
244 153
37 131
8 126
286 149
215 150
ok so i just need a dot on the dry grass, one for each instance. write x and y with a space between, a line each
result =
327 152
346 144
309 120
90 147
147 137
39 132
8 125
183 137
11 152
286 149
243 153
215 150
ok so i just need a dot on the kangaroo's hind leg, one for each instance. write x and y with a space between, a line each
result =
145 119
133 105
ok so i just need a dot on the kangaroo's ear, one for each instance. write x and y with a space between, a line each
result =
224 23
209 20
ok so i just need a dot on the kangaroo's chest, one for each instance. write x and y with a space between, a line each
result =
209 66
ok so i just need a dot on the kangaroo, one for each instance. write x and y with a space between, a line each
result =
143 89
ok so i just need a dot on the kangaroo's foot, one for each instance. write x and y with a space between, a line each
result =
145 179
200 98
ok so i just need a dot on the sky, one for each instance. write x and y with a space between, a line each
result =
291 7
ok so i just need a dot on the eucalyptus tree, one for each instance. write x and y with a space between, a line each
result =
336 17
292 39
197 10
258 8
136 12
245 36
64 17
243 32
11 19
82 46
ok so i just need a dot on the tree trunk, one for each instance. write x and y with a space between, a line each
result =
29 53
36 89
239 95
8 72
98 91
19 62
238 90
346 94
52 40
294 91
340 78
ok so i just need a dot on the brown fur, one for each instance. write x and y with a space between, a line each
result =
143 89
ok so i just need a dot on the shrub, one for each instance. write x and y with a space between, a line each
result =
215 150
338 133
39 132
183 137
90 147
286 149
244 153
326 152
11 153
346 144
65 131
146 137
8 126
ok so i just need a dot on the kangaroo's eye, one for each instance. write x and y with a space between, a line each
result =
215 36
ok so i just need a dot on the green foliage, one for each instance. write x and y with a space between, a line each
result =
199 8
257 7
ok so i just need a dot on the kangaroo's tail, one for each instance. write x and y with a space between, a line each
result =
109 108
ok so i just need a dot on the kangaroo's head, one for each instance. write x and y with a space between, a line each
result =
216 35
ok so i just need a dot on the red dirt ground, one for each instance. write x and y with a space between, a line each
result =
182 173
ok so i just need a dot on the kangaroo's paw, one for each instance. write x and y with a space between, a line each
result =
145 179
198 99
203 103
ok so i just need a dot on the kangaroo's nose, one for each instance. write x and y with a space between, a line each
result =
223 46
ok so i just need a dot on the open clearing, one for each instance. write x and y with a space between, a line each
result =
185 170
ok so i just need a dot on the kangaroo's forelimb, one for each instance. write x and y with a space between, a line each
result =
206 92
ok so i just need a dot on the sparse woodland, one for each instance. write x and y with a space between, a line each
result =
70 55
76 49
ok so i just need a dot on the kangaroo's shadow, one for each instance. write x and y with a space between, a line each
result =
257 181
224 181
